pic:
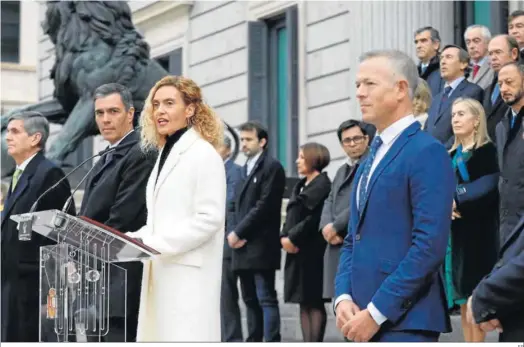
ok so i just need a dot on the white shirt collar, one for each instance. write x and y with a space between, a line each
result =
455 83
251 161
26 162
394 130
123 137
480 62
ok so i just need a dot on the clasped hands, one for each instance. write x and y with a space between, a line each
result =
234 241
493 324
331 236
355 324
288 245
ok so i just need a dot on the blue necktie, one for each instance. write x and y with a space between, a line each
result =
513 120
495 94
375 145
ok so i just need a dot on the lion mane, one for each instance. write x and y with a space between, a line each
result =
90 36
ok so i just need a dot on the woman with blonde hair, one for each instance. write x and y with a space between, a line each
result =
472 249
185 196
422 102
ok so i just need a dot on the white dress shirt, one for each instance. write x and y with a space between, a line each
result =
24 164
252 161
388 136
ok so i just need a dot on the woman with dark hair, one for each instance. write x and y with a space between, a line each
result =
304 244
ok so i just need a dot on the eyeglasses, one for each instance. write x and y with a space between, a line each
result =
355 139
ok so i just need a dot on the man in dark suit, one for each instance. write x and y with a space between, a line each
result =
115 196
454 61
231 329
256 237
354 138
510 147
503 49
516 30
427 44
497 302
27 134
388 287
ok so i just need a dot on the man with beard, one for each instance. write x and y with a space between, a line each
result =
510 145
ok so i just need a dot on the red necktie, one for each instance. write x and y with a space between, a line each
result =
476 69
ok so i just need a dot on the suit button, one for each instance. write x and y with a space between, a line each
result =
357 237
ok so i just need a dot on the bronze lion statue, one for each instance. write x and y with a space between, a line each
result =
95 43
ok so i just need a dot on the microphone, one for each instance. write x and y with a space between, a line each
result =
101 153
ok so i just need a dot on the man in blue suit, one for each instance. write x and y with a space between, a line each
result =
229 309
388 287
454 62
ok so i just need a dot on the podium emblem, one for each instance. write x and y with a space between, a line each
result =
51 304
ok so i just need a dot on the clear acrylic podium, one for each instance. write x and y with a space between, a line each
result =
75 300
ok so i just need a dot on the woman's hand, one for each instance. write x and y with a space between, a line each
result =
288 245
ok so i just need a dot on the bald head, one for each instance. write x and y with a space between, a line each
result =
503 49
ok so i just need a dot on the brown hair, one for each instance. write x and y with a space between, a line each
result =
422 98
204 120
316 156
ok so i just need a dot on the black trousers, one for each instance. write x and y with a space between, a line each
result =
231 323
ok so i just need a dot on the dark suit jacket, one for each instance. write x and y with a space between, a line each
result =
115 195
336 210
20 259
233 177
432 76
510 147
494 112
258 216
439 114
501 294
396 245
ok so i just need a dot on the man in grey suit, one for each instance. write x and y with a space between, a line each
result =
477 40
354 137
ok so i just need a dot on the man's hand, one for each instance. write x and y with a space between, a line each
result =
234 241
455 214
329 232
288 245
484 326
361 327
337 240
344 311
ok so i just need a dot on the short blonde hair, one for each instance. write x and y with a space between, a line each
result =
476 109
204 120
422 99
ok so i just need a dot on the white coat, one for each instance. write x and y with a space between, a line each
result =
180 298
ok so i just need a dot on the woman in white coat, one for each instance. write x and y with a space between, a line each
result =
185 195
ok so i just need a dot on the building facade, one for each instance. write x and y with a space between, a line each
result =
19 36
288 64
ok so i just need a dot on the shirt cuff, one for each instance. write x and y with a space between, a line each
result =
339 299
378 317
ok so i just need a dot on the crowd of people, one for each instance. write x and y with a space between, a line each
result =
424 217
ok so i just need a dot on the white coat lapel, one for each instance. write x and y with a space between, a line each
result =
174 157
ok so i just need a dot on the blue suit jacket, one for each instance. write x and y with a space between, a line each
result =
439 114
393 251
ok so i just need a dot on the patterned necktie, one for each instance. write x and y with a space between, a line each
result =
476 69
375 145
495 94
16 176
